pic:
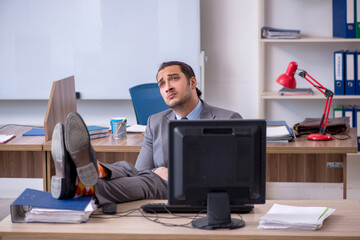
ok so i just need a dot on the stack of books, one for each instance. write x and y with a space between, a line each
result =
98 132
296 218
276 33
278 131
296 92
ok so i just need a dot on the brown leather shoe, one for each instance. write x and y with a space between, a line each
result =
63 184
77 142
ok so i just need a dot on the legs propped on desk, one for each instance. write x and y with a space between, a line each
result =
104 157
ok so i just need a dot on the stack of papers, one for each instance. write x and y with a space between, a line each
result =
48 215
278 131
136 128
296 92
276 33
297 218
4 138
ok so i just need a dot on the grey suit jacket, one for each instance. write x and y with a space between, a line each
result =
154 147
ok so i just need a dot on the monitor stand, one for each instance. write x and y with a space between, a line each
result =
218 213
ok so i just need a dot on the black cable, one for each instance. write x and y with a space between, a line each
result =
333 135
154 217
6 125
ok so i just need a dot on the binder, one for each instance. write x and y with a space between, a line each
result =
35 198
357 74
349 112
356 113
339 64
357 18
349 73
272 134
357 124
338 112
344 18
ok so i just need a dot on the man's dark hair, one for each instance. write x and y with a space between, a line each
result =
185 69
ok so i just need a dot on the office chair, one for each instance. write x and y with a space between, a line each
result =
147 100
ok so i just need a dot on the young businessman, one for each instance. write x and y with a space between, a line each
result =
121 182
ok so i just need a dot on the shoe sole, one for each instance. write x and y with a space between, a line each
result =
61 188
77 141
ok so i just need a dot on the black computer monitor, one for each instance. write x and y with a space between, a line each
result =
218 164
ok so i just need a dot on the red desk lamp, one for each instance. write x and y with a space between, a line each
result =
288 80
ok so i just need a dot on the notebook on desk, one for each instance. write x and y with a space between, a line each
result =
35 132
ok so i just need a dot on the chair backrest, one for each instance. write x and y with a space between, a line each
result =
147 100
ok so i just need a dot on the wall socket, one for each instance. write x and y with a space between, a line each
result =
335 164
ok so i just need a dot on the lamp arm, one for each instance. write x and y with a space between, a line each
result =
326 92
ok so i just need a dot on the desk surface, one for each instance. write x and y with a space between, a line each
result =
20 142
302 145
342 224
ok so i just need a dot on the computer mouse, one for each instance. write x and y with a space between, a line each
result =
109 208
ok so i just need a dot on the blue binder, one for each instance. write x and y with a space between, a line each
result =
339 64
344 18
349 73
357 124
357 74
356 113
35 198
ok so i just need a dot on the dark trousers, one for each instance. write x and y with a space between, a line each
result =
125 183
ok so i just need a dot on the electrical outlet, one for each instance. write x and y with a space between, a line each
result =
335 164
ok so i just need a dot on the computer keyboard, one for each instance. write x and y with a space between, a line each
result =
165 208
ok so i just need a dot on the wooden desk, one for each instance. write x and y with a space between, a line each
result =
342 224
108 150
23 156
298 161
306 161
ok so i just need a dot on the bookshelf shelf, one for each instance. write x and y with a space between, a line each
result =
276 96
312 40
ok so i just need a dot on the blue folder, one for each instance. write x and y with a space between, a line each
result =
93 128
344 20
357 74
41 131
288 138
35 198
339 72
35 132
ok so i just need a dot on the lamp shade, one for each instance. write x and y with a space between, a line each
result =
287 79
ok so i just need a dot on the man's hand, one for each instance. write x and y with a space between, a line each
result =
162 172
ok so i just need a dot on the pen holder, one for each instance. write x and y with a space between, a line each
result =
118 128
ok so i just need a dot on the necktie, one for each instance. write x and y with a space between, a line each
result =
185 118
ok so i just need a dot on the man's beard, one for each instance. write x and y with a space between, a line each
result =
181 102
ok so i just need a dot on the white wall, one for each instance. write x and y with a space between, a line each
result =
229 38
32 112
